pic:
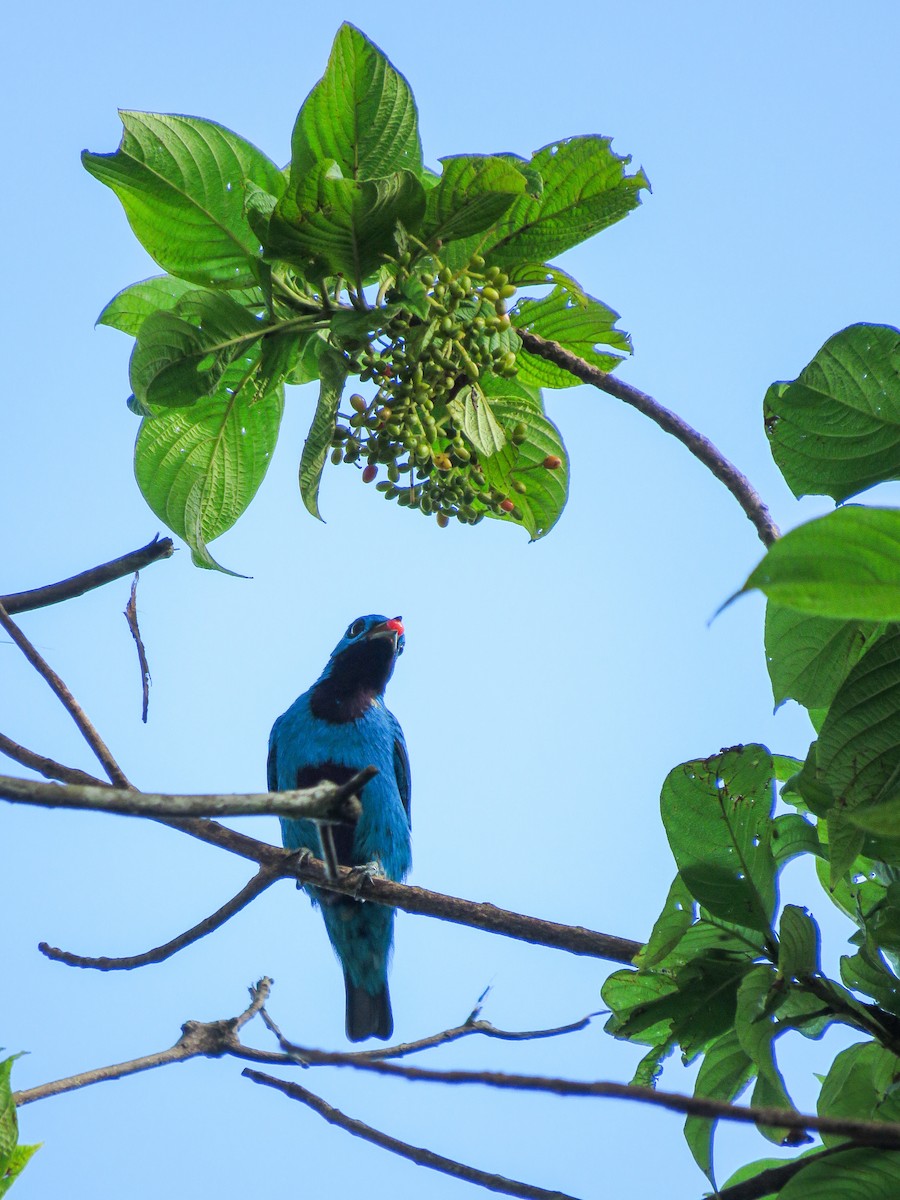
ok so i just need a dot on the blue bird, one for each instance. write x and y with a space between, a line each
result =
330 732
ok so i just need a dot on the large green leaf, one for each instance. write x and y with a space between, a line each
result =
180 181
333 376
670 926
858 751
473 192
473 415
835 430
717 813
577 322
858 1174
845 564
724 1073
199 467
333 225
361 114
129 308
585 189
756 1029
798 943
182 354
809 656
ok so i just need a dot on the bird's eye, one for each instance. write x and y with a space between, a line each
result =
356 628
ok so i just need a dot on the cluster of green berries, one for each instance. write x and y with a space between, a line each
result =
421 366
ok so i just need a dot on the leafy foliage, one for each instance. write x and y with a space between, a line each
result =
355 260
13 1156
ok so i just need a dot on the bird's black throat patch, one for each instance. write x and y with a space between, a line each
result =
355 678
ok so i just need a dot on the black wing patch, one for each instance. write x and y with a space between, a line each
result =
343 835
272 768
401 772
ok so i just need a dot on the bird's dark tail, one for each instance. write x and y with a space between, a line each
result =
368 1015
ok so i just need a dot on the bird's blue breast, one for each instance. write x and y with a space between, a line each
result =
301 741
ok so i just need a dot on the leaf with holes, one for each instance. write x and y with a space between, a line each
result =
717 813
809 656
578 323
473 192
180 181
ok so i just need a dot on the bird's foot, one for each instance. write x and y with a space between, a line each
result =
301 857
362 874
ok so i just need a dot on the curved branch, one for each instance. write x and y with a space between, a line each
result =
701 447
258 884
86 581
71 705
48 767
416 1154
324 802
882 1134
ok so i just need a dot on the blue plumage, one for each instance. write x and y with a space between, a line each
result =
330 732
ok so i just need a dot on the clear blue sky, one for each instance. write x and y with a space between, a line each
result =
546 690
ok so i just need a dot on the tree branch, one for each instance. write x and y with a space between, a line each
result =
701 447
48 767
134 629
71 705
324 802
86 581
264 878
422 1158
882 1134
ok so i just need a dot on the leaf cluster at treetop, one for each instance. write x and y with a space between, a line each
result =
355 260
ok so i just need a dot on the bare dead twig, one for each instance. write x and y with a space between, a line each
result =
71 705
48 767
324 802
416 1154
132 618
701 447
86 581
264 878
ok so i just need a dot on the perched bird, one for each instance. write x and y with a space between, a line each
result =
330 732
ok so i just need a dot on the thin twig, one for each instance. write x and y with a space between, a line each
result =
71 705
210 1039
324 802
701 447
86 581
48 767
416 1154
307 1057
258 884
132 618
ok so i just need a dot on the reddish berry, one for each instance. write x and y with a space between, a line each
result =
369 473
552 462
507 505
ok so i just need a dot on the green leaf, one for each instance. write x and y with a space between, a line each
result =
792 834
180 181
845 564
333 376
547 489
199 467
180 356
835 430
861 1085
473 192
867 972
650 1067
129 308
809 656
471 411
798 943
332 225
845 843
9 1124
585 190
671 925
858 752
858 1174
577 322
634 999
361 114
724 1073
717 813
756 1029
13 1166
